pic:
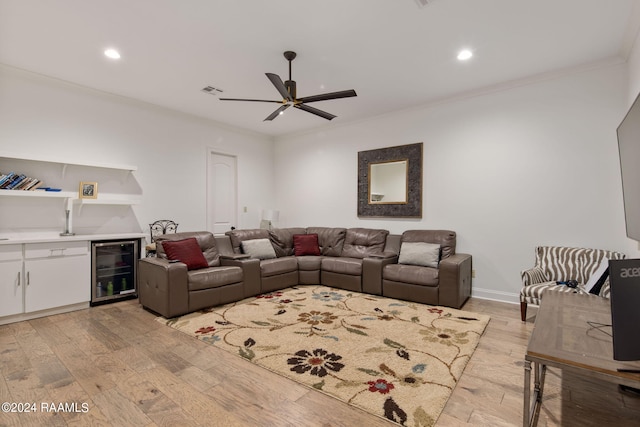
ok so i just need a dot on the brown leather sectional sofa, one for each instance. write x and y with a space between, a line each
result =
357 259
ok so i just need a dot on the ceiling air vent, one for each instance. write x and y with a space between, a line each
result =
212 90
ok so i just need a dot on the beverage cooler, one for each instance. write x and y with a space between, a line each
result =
114 270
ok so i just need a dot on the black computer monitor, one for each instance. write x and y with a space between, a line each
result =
624 278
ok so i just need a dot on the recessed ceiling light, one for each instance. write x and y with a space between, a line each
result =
112 53
464 54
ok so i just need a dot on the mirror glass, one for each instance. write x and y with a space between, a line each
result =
388 182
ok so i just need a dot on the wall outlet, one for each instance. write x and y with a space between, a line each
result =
473 274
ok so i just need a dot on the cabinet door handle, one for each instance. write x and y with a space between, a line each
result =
28 279
59 250
19 274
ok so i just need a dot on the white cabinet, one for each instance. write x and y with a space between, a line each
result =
43 276
56 274
11 290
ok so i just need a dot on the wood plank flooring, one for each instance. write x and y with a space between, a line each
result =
130 370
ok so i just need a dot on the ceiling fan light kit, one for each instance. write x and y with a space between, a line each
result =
288 91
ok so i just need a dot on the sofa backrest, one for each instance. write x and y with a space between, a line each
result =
223 244
204 238
564 263
445 238
238 236
282 240
330 239
393 243
364 242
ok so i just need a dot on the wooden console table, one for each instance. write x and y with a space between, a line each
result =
568 335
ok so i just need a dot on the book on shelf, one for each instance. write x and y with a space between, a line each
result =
6 178
7 184
35 184
23 183
17 181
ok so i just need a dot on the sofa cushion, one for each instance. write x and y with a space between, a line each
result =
274 266
420 253
364 242
341 265
413 274
306 244
331 240
283 241
214 277
187 251
309 263
258 248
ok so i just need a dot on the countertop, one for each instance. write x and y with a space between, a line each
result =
18 238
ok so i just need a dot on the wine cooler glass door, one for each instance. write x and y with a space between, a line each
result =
114 269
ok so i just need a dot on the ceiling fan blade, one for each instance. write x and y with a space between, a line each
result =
327 96
315 111
276 113
251 100
277 82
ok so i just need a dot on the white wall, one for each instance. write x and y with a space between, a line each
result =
48 118
634 71
532 164
508 170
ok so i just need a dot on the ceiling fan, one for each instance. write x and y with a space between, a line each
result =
288 91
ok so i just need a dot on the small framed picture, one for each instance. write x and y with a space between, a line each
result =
88 190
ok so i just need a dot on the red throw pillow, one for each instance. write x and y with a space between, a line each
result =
306 244
187 251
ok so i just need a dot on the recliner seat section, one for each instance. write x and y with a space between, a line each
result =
245 263
345 271
170 289
447 284
275 273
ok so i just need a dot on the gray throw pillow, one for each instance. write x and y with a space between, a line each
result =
258 248
420 253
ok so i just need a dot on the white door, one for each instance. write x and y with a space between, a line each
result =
221 193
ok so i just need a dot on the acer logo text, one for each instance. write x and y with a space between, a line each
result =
630 272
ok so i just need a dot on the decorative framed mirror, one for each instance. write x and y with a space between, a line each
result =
390 182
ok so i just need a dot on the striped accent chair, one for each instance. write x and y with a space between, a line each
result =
559 264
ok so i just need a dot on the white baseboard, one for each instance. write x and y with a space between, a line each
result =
501 296
42 313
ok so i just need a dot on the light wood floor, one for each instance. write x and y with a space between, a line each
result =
133 371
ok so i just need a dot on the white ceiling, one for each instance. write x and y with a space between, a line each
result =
395 54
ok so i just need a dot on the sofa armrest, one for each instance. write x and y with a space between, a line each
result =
454 285
234 257
250 272
385 255
163 286
372 271
532 276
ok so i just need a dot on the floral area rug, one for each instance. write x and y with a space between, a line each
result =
395 359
